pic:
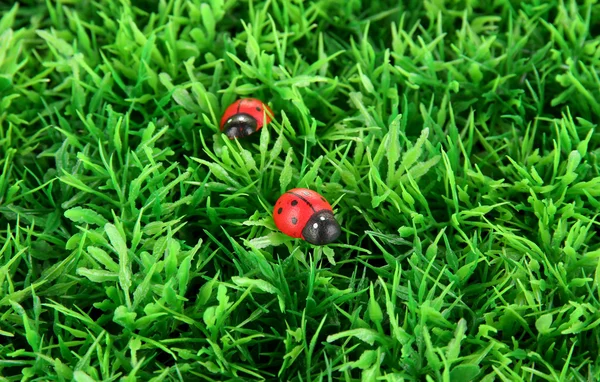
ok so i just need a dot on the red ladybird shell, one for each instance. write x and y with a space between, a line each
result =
295 208
250 106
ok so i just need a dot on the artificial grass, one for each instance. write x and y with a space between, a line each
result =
456 141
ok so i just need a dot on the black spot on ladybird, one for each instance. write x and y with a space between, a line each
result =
258 108
279 210
294 202
294 220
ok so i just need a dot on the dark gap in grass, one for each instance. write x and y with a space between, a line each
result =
147 6
194 230
163 358
15 370
138 120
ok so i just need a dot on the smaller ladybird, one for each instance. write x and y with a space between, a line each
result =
305 214
244 117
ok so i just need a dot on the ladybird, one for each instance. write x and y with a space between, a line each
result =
305 214
244 117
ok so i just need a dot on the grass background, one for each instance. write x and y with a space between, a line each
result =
456 141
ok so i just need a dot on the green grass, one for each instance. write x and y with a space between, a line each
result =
456 141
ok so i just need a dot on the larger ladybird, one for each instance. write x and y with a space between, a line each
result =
305 214
244 117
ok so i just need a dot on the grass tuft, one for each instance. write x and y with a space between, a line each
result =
457 143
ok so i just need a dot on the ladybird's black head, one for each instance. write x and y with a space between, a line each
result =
239 126
321 228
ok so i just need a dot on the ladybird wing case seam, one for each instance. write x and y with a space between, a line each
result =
303 199
313 198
